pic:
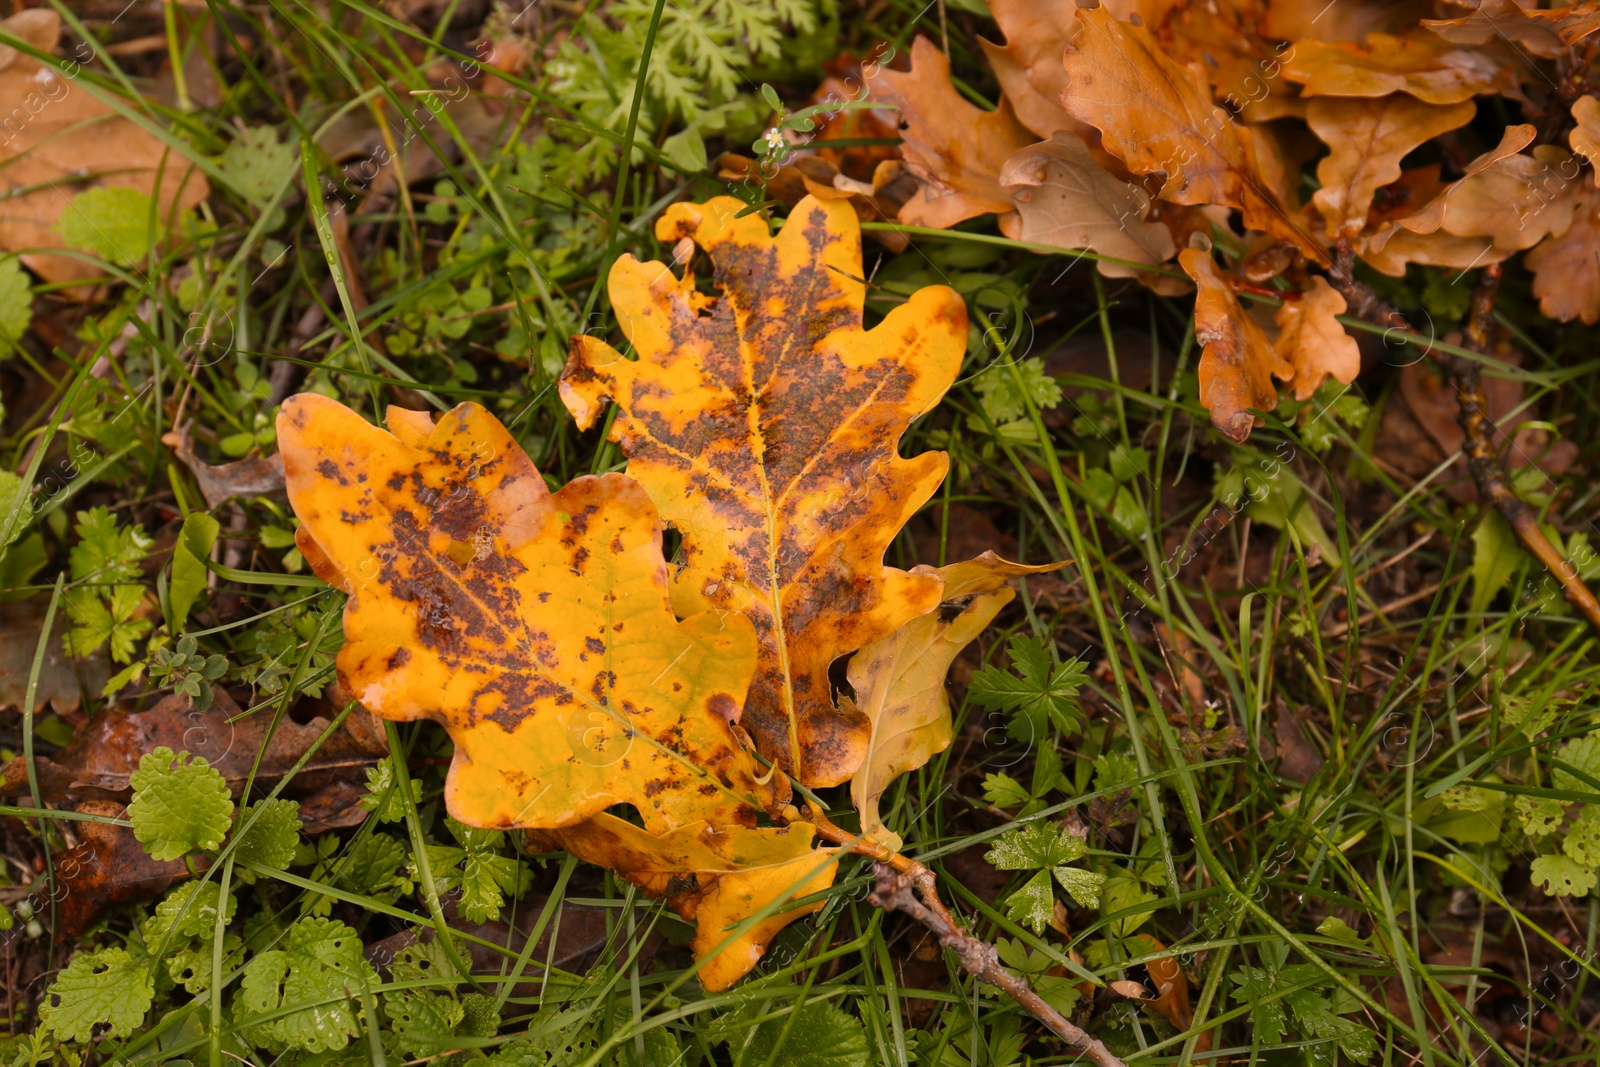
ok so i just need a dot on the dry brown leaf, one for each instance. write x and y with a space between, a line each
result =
1339 20
899 682
62 140
1566 269
1269 194
1028 66
1585 136
1430 69
1064 198
1314 342
1366 139
953 147
1514 199
63 680
1544 33
107 749
219 483
1237 363
764 422
1154 114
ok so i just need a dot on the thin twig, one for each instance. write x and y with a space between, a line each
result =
894 892
901 880
1472 413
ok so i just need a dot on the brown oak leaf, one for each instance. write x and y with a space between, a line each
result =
60 139
953 147
1366 140
1429 68
1064 198
1238 362
1313 341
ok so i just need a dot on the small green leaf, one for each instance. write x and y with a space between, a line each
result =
16 305
1495 555
1561 876
1083 886
112 221
1539 816
1038 844
1124 890
105 988
1034 904
818 1035
686 150
1582 842
272 839
258 163
1004 389
1004 791
178 806
317 970
189 573
1583 754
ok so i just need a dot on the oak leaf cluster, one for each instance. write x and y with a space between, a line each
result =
1268 146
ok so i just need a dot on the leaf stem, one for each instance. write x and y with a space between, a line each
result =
901 880
1472 414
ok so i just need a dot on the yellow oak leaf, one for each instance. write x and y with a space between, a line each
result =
952 146
715 878
899 682
764 422
534 626
1366 140
1237 362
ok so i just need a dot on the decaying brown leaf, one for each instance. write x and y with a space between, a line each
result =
1427 67
1028 66
1313 341
1507 201
953 147
1064 198
60 139
1566 268
106 750
63 680
1153 113
1366 140
763 422
221 482
1238 362
1585 136
1546 33
899 682
107 868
